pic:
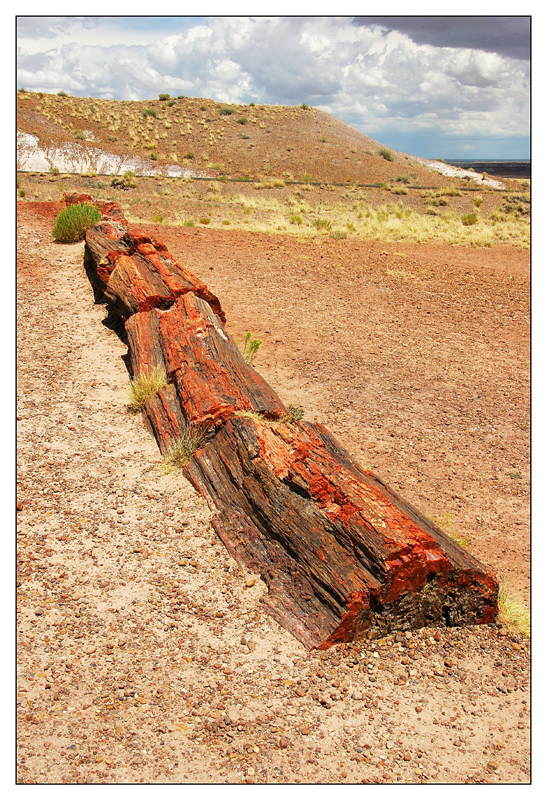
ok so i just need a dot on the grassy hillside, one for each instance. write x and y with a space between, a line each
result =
279 168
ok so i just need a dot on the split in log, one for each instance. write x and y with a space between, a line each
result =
342 555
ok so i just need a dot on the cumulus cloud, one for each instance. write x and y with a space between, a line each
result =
372 75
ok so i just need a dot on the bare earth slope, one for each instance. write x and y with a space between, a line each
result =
143 652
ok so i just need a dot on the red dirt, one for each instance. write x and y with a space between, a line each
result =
415 356
144 654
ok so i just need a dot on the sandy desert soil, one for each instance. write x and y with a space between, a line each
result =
144 655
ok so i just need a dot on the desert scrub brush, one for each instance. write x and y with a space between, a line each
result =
145 386
182 448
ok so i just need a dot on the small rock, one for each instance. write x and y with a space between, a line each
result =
19 505
250 582
492 766
283 742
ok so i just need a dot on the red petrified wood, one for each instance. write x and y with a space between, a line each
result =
136 273
342 555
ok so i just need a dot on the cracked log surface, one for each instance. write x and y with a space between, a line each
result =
342 555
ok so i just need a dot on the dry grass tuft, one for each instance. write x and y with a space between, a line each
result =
513 613
182 449
144 386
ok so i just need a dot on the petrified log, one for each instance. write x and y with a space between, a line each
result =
203 362
135 272
342 554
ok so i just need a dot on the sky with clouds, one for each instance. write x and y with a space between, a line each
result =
451 87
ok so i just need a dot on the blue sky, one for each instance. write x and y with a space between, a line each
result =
450 87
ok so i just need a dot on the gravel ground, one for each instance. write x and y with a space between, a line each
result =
144 654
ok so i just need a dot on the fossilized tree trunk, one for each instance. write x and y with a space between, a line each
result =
340 552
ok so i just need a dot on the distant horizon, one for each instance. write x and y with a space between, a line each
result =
491 160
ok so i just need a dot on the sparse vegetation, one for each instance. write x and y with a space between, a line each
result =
143 387
250 348
294 414
199 129
73 222
513 613
125 181
183 448
470 219
322 224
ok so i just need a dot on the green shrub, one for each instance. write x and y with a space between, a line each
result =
55 170
62 94
243 120
250 347
189 223
22 193
225 111
296 219
73 222
307 178
385 153
164 97
304 106
204 220
153 156
149 112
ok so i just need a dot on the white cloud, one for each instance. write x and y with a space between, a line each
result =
363 73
